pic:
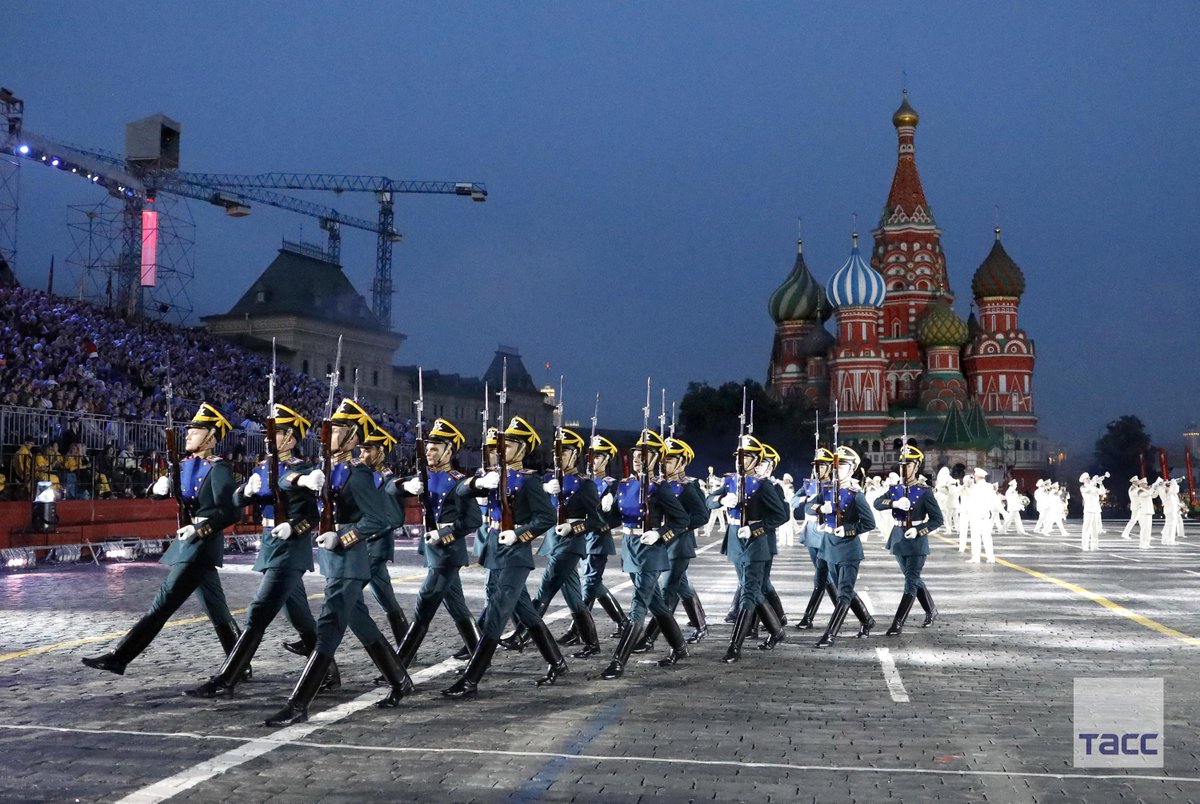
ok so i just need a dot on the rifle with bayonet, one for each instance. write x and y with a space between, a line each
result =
739 455
837 477
327 520
557 446
591 450
280 504
182 516
506 514
644 479
427 514
903 479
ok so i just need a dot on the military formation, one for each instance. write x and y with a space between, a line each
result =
577 516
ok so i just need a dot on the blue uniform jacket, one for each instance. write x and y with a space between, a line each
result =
359 511
208 486
599 538
925 516
582 503
765 510
533 514
294 553
692 499
666 515
856 519
456 517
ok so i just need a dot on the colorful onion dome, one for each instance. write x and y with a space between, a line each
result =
998 275
799 297
905 115
856 284
939 325
818 342
824 309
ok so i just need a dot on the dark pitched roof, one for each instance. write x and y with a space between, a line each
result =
302 284
519 379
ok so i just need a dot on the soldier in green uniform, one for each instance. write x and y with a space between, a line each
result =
508 555
445 547
207 487
285 554
766 469
359 510
381 546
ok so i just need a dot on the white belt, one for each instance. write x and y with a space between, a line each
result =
199 520
340 525
634 531
268 523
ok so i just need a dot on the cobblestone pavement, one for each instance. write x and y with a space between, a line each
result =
979 708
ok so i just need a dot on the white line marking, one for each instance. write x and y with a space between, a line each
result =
342 746
892 676
1192 572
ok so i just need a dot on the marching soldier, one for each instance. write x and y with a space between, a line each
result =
284 556
844 515
652 517
359 511
445 548
600 544
207 487
566 545
766 469
508 555
381 545
813 537
916 514
676 586
748 541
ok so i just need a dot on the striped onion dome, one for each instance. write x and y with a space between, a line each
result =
799 297
998 275
856 284
941 326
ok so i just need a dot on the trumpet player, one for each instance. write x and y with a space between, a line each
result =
1014 503
1090 491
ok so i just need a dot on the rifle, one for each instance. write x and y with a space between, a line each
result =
591 452
506 514
558 440
903 446
483 440
427 515
837 478
644 480
672 418
182 516
273 448
662 416
327 521
738 455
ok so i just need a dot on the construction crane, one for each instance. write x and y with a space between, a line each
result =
383 187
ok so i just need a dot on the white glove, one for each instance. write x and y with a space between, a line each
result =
328 540
552 486
911 533
892 479
508 537
744 533
314 481
253 485
161 487
650 536
564 529
432 537
729 501
282 531
606 503
412 486
840 531
186 534
489 481
826 508
902 504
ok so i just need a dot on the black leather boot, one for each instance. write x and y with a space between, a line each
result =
467 685
740 629
128 649
333 678
772 597
649 637
695 612
399 624
571 637
228 634
865 621
411 641
614 611
620 660
835 625
906 601
468 629
296 710
302 646
810 611
926 600
231 671
518 641
467 652
670 630
383 657
774 628
546 645
585 625
754 621
831 593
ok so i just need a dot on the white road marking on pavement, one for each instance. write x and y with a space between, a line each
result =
592 758
892 676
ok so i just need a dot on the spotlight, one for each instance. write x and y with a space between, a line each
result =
43 157
23 150
54 162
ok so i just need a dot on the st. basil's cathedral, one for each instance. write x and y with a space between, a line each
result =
901 351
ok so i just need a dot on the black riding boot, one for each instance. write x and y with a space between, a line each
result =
695 612
399 624
302 646
865 621
649 637
468 683
128 649
831 592
468 629
772 597
835 625
411 642
296 710
906 601
614 611
670 630
467 652
926 600
585 625
519 639
740 629
810 611
383 657
231 671
629 637
772 624
546 645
